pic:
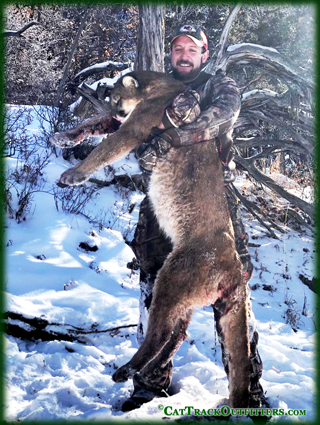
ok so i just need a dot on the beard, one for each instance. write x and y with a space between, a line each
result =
185 76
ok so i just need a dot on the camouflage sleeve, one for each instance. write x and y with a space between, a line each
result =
185 109
221 108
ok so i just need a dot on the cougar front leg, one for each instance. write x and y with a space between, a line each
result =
98 125
108 151
112 148
234 325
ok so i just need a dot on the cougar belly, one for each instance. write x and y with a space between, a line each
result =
169 199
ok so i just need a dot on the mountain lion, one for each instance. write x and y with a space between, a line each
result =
188 196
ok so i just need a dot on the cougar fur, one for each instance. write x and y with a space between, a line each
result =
188 197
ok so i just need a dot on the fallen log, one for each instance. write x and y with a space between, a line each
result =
37 328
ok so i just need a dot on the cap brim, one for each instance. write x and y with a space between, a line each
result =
195 40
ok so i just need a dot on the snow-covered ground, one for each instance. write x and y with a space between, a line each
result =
50 277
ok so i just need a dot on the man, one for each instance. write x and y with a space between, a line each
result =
192 118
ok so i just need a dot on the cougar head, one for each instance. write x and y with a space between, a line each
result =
124 97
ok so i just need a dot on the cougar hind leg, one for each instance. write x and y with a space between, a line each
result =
179 334
233 321
160 341
167 315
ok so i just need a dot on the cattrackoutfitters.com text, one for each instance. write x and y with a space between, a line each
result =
227 411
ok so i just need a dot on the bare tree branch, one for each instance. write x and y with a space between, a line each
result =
254 210
254 116
267 58
71 54
283 145
220 49
264 154
271 184
18 33
298 218
92 96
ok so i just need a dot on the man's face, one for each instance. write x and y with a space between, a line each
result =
186 59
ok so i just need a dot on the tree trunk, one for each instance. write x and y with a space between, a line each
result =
150 48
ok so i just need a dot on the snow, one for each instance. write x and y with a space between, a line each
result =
107 81
48 276
100 65
110 82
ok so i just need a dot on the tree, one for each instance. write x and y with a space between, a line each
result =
36 61
18 33
150 47
290 112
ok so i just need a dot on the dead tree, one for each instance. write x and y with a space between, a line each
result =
290 113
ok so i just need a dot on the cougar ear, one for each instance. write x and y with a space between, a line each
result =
130 82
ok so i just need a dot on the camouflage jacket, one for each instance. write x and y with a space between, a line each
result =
218 112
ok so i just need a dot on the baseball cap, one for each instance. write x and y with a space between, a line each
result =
196 34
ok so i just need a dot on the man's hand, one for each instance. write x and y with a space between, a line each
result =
185 108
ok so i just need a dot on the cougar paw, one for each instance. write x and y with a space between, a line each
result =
60 140
67 139
123 373
72 177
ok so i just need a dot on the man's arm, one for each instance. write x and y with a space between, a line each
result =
220 109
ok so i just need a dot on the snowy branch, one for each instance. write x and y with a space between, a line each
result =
268 95
265 57
99 67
